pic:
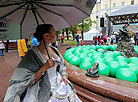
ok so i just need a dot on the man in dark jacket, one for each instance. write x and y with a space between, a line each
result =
77 39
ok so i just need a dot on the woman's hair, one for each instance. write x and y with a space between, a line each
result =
41 30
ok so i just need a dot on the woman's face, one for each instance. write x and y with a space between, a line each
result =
52 35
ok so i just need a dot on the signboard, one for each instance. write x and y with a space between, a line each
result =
9 32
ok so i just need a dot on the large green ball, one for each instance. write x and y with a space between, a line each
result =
85 64
109 54
90 54
93 47
100 50
108 59
103 69
105 47
82 55
97 47
67 53
69 57
117 53
87 59
134 68
133 60
75 61
120 58
123 64
113 67
100 60
113 47
126 74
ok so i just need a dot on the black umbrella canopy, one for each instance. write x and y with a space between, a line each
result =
30 13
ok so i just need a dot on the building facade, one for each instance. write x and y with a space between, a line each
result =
105 7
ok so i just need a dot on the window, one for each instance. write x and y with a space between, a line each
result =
114 5
123 3
132 2
106 6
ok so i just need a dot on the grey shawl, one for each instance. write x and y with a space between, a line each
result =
25 74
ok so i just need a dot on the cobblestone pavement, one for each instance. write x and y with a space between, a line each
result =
8 64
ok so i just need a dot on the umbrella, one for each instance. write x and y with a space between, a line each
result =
30 13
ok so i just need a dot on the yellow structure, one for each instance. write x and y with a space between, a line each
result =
105 7
22 49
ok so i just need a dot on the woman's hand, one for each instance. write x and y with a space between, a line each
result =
64 79
50 63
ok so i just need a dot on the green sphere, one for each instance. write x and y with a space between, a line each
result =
100 50
97 47
105 47
85 64
87 59
109 54
133 60
100 60
67 53
120 58
69 57
108 59
75 61
123 64
103 69
117 53
90 54
113 67
82 55
126 74
134 68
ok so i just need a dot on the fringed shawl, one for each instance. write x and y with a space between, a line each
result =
25 74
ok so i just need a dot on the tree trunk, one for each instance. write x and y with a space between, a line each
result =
63 32
82 30
67 33
73 33
7 45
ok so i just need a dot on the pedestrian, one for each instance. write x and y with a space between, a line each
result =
95 39
108 40
117 37
82 42
62 39
77 39
105 40
102 40
2 47
136 39
38 78
99 40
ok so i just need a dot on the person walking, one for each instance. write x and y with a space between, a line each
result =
77 39
2 47
39 78
95 39
82 42
62 39
136 39
105 39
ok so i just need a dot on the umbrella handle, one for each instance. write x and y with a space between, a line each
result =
46 48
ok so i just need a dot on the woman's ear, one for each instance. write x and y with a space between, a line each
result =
46 36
